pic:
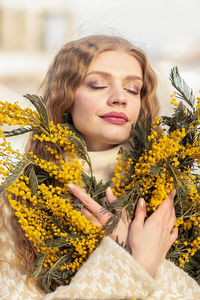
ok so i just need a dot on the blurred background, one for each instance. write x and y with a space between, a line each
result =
32 31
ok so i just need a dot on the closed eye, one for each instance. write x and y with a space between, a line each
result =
98 87
132 92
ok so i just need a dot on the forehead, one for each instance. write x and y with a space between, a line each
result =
116 62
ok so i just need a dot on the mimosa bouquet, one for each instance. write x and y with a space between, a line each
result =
163 156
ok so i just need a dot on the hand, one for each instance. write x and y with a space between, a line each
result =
93 212
150 240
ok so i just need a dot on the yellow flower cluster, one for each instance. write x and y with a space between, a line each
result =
157 172
163 148
13 114
193 151
31 219
8 157
58 135
122 175
47 216
65 172
173 99
194 247
198 103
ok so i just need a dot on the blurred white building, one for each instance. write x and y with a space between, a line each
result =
30 32
34 25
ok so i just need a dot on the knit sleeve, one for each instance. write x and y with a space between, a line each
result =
13 287
13 284
174 283
111 273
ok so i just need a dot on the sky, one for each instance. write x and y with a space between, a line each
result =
156 25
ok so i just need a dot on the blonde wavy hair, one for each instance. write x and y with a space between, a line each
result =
65 75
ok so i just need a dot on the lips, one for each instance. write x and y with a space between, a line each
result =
115 118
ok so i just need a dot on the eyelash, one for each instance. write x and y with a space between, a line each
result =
132 92
103 87
98 87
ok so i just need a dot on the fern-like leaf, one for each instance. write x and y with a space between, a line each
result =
38 265
184 91
40 106
19 168
17 131
33 180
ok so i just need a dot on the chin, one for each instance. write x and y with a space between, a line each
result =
118 141
118 136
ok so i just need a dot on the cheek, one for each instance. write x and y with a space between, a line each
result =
84 110
135 110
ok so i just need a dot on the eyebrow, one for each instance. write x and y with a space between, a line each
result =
106 74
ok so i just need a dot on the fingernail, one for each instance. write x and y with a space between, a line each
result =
109 190
174 192
70 186
141 202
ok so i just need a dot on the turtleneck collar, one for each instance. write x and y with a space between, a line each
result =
104 162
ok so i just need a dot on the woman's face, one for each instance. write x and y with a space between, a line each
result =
107 103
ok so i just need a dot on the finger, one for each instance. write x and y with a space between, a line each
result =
173 218
87 213
110 195
90 217
171 196
167 205
173 193
92 205
140 213
89 203
174 235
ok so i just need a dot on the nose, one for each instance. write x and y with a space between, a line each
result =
117 97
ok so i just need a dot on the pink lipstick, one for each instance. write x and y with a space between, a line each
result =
115 118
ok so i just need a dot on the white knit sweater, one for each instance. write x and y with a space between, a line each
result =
110 272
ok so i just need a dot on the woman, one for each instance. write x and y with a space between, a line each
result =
105 83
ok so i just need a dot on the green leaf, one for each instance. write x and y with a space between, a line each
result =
155 170
112 223
184 91
46 281
50 274
16 173
40 106
17 131
76 138
60 261
33 180
78 206
80 146
141 132
38 265
97 190
167 120
176 174
58 243
68 122
180 112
